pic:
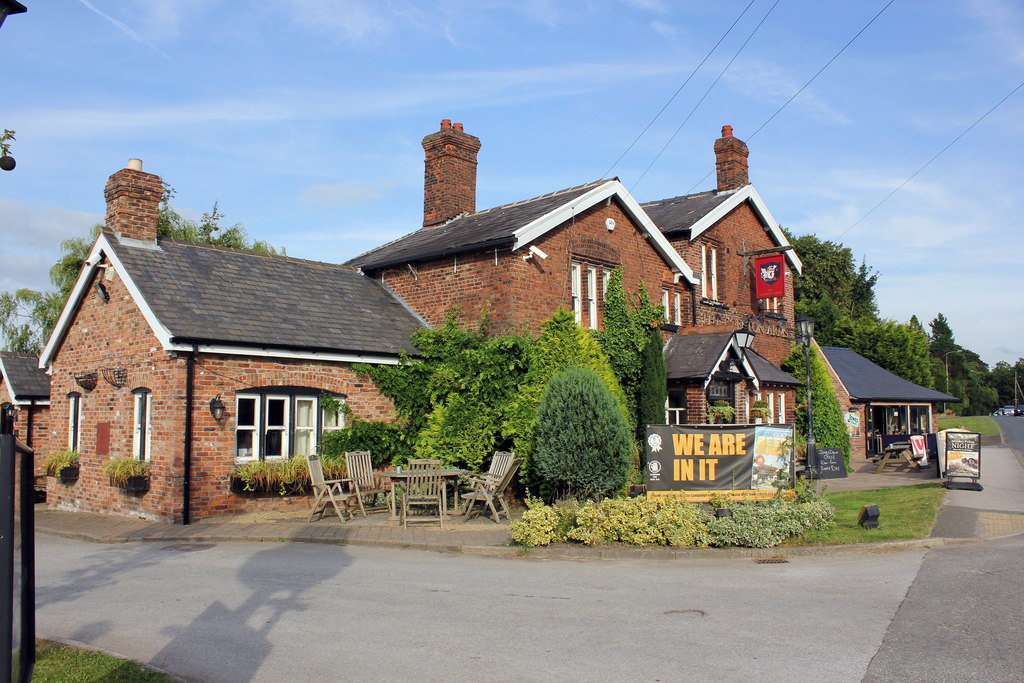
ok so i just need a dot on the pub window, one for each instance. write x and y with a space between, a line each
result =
720 390
281 422
74 419
709 271
592 296
676 407
142 423
677 308
577 287
919 419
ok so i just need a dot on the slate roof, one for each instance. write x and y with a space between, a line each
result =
25 379
866 381
678 214
202 293
483 229
767 373
693 356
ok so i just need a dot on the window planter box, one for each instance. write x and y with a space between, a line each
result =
236 485
68 475
136 484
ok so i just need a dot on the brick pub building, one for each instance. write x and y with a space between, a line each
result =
158 331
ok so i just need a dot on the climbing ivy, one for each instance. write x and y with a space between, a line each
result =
829 428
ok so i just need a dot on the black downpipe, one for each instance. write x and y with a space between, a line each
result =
28 425
190 378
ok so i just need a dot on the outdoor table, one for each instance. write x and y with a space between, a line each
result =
394 477
894 452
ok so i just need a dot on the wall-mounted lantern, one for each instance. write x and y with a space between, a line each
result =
217 408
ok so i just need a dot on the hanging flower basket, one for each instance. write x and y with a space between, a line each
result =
137 484
86 380
116 377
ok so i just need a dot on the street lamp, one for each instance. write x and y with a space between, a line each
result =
804 334
945 363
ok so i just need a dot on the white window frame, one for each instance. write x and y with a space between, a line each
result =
284 429
664 303
309 430
257 442
606 275
771 408
709 271
677 308
261 399
74 419
142 424
592 296
782 408
576 287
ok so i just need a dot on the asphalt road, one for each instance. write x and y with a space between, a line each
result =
289 612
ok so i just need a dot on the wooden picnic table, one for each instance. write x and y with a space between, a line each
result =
894 452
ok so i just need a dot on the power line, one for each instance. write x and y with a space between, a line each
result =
928 163
678 90
705 95
805 85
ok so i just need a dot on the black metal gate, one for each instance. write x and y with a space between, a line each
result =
11 452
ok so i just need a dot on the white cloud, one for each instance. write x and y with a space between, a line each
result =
769 82
345 193
123 28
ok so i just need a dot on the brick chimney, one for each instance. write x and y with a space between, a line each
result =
731 161
449 174
133 202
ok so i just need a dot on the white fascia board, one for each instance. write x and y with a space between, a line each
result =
99 250
747 192
284 353
29 403
540 226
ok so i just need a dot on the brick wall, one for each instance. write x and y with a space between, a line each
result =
520 294
113 334
740 231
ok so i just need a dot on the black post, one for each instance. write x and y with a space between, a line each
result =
27 649
812 456
7 446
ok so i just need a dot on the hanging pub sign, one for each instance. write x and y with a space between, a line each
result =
770 280
743 460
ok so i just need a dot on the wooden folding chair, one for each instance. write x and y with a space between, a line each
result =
327 491
365 482
424 490
490 489
423 464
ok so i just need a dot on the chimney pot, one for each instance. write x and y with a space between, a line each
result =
135 164
726 131
458 127
446 124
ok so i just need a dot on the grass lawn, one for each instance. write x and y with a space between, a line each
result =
905 512
56 663
983 424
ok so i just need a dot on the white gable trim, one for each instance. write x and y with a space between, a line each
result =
747 367
100 249
745 193
613 188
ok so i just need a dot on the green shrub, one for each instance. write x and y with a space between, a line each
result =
58 461
583 439
829 428
386 441
763 524
636 521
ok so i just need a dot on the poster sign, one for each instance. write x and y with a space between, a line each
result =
963 455
830 463
710 458
852 421
770 280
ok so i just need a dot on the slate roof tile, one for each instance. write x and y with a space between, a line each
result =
27 380
869 382
216 294
676 214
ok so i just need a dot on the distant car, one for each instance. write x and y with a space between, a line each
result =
1019 410
1006 410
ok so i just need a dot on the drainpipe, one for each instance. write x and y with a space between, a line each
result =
28 424
693 304
190 372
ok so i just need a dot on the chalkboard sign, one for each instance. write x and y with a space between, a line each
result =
829 463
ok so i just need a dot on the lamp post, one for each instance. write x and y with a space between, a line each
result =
804 333
945 363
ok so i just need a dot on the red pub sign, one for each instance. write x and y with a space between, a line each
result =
770 280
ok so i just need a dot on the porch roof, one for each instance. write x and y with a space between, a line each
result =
865 381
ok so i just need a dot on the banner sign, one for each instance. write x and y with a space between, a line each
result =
963 455
711 458
770 280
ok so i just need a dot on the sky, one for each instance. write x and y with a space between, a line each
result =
302 120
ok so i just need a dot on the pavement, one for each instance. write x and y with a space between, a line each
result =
995 511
